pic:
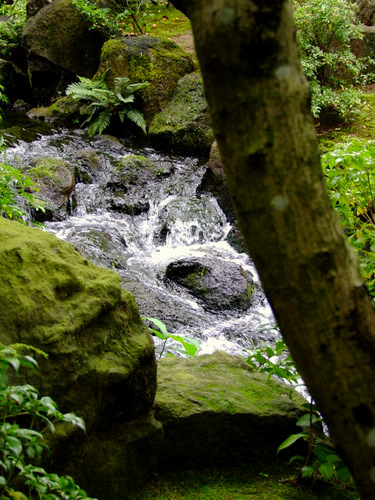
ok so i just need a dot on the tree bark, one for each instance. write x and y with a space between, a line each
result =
259 103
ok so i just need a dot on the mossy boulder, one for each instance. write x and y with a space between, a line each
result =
55 180
60 44
160 62
184 125
133 182
218 284
137 170
216 410
101 361
64 112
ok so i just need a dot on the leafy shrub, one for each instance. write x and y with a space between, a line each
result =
14 185
15 191
350 176
190 345
103 103
326 29
273 360
321 460
22 447
100 18
11 30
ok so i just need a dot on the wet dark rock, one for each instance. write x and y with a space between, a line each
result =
213 181
14 79
20 105
138 171
87 166
55 180
60 45
183 218
122 205
218 284
155 303
105 248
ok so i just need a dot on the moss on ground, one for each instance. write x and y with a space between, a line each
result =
363 129
248 481
164 22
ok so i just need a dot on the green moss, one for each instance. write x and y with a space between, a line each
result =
362 129
64 111
163 22
228 383
146 59
184 124
260 481
50 290
48 168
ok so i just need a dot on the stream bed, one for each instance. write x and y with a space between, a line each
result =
138 211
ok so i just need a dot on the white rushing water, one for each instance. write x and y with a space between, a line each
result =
178 223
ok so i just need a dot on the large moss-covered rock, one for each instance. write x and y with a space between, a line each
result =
184 124
146 59
101 361
215 409
60 44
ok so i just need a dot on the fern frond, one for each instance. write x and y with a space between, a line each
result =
125 100
121 84
84 83
134 87
88 90
100 124
137 117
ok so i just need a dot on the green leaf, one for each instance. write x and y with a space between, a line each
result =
137 117
159 334
342 473
14 444
14 362
307 471
160 325
296 457
326 469
291 440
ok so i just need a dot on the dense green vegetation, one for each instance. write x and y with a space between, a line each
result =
102 104
326 31
15 195
336 78
25 419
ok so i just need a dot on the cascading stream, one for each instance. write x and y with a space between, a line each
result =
142 229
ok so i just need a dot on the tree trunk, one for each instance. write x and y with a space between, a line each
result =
260 109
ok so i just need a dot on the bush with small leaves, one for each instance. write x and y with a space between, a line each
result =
326 30
21 446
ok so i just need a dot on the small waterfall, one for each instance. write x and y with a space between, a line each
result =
140 227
